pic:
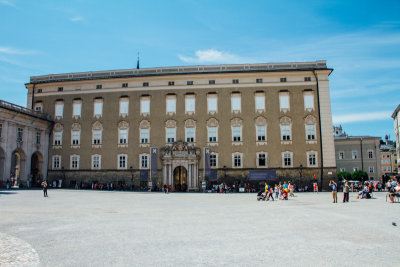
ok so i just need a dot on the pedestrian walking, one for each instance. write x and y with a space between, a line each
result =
44 185
165 188
333 186
346 191
315 187
270 193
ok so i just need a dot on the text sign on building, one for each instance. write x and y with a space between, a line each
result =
207 152
154 160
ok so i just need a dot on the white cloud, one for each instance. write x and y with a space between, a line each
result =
77 18
7 3
360 117
213 56
14 51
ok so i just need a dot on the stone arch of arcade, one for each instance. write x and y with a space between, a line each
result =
17 170
36 172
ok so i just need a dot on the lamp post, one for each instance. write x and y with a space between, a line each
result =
301 173
131 169
63 172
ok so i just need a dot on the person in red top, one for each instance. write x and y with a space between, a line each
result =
315 187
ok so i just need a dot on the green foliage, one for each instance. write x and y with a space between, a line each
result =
344 175
359 175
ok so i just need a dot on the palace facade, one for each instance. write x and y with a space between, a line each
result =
183 125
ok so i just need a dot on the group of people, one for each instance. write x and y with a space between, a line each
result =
393 187
281 191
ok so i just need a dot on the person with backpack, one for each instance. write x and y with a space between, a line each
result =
346 192
333 186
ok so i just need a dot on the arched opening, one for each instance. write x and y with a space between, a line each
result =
36 175
17 167
180 179
2 158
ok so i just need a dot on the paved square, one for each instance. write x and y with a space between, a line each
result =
92 228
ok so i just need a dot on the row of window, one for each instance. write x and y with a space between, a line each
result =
388 168
190 134
237 160
354 154
20 133
190 104
171 83
370 169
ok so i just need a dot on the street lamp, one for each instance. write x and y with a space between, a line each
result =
131 168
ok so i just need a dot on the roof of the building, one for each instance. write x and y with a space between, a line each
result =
356 137
396 111
200 69
26 111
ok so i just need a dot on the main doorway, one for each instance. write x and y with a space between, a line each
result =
180 179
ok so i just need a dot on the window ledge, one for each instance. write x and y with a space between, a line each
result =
170 113
213 112
96 146
144 145
212 144
240 167
122 145
287 142
143 168
287 166
284 110
75 146
237 143
261 143
311 142
57 146
262 167
260 111
190 113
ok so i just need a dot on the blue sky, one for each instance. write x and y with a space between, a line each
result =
359 39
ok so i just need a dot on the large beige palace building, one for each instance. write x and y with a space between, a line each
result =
246 122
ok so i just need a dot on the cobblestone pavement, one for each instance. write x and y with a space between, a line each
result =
92 228
16 252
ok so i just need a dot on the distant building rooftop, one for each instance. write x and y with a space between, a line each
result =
23 110
200 69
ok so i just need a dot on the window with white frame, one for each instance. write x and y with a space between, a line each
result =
312 159
212 103
74 161
310 131
190 103
284 103
190 134
57 138
98 107
260 101
96 161
39 107
370 154
38 138
371 169
214 160
59 108
212 133
237 160
308 100
144 136
122 161
236 133
171 103
285 132
20 133
123 106
354 155
236 102
261 159
145 105
144 161
341 154
76 108
123 136
171 135
56 162
97 134
261 133
389 169
76 137
287 159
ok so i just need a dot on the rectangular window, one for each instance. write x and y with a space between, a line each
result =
261 133
370 155
38 107
96 162
76 108
123 136
312 159
389 169
76 136
262 160
145 84
171 135
123 106
98 107
212 134
190 103
20 133
38 137
236 133
60 89
122 161
235 81
144 161
308 100
260 101
190 134
57 138
307 79
56 162
212 102
171 83
283 80
125 85
97 137
310 131
341 155
354 155
144 136
189 82
74 162
285 132
99 86
213 160
259 80
145 105
287 159
371 169
59 109
284 100
236 102
211 81
171 104
237 160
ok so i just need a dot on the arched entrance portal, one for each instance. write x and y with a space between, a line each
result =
17 167
180 179
36 169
